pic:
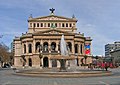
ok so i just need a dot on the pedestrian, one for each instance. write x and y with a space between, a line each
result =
102 65
106 66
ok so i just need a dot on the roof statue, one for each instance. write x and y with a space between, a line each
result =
73 16
30 16
52 11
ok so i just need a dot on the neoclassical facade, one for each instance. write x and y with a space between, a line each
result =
40 46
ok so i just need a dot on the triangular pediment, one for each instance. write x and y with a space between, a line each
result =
53 18
51 31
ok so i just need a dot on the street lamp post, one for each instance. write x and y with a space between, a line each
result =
77 59
69 56
40 55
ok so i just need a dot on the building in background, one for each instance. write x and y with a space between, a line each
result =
115 54
41 44
111 47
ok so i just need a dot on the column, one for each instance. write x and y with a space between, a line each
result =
22 50
58 64
50 65
27 47
73 48
41 43
57 47
83 49
49 46
33 47
78 49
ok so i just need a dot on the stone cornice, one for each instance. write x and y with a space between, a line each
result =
55 19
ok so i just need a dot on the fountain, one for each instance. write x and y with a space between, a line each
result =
64 53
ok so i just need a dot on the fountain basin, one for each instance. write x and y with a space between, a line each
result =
76 74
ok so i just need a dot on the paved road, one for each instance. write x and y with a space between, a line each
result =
6 78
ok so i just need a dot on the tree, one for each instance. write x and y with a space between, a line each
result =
4 53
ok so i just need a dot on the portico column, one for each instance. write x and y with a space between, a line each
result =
57 46
49 46
50 65
83 49
41 43
27 47
78 49
22 48
34 46
73 49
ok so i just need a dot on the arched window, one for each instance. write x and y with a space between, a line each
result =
53 46
45 46
29 48
37 47
45 62
81 48
76 48
69 46
24 48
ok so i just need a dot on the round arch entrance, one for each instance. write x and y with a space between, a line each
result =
45 62
30 62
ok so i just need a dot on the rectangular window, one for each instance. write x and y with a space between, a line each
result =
63 25
37 24
55 24
70 25
30 24
41 24
66 24
34 25
48 24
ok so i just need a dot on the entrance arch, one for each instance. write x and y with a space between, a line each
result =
30 62
45 62
54 63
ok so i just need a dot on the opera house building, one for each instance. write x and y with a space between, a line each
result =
40 45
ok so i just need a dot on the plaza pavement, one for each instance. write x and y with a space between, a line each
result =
7 78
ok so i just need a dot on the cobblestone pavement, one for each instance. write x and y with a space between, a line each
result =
6 78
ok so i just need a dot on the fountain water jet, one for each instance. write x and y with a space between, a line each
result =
64 53
63 47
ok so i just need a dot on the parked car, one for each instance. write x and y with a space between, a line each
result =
6 65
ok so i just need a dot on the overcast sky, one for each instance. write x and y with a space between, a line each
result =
99 19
